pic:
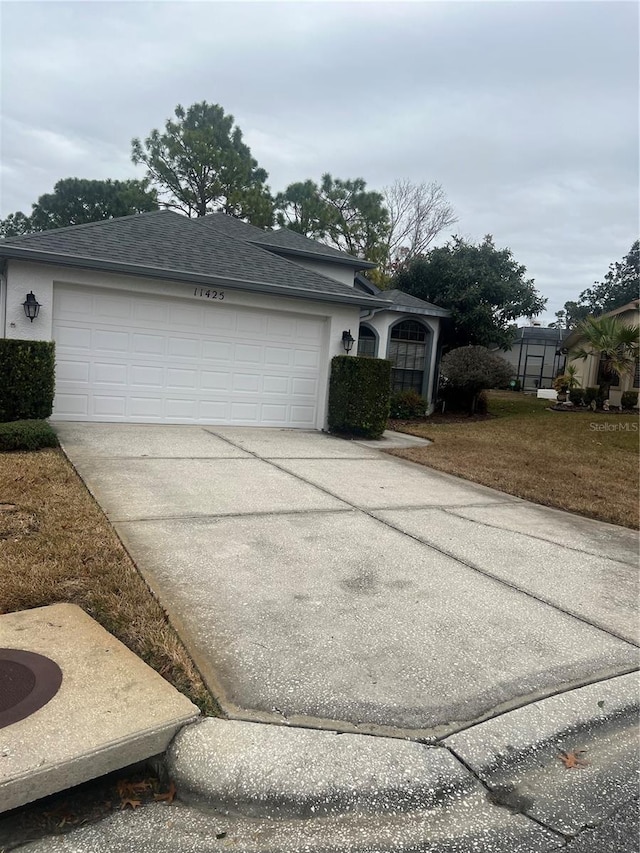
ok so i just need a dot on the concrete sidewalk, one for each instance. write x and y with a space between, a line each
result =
326 588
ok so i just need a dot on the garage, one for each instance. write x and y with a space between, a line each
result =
145 358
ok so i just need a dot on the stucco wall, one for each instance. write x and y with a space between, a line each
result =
382 322
21 278
337 272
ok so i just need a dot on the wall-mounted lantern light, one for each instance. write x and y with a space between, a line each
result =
31 306
347 340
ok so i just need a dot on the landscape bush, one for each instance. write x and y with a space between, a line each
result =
629 399
407 405
26 435
468 371
27 369
359 392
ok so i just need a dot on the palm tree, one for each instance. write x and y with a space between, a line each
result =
616 343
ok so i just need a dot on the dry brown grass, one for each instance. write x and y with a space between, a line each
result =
553 458
56 545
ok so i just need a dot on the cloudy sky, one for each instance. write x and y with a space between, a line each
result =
525 112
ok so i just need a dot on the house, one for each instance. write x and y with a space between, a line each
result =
589 371
536 356
158 318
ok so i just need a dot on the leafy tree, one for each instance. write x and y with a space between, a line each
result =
75 201
483 287
341 212
417 214
615 343
200 164
15 224
621 285
470 370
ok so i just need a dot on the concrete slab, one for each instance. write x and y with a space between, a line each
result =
461 825
157 488
259 770
336 617
519 755
391 440
600 590
563 528
110 711
292 443
142 440
386 483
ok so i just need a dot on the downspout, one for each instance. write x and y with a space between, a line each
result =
3 297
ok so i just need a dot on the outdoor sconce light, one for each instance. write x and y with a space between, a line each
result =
347 341
31 306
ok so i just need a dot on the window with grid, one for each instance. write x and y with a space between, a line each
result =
366 342
636 375
407 352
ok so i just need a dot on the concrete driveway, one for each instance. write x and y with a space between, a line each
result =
321 582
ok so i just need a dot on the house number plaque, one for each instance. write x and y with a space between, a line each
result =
208 294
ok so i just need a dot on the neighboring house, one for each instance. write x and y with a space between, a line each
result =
158 318
589 370
536 356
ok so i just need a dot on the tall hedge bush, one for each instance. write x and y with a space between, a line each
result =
359 392
27 369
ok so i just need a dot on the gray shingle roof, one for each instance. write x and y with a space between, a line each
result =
401 300
282 239
230 226
168 245
287 240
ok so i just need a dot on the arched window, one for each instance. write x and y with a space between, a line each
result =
367 342
407 353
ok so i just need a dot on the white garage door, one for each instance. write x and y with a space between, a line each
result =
144 359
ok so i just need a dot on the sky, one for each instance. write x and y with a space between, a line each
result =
525 112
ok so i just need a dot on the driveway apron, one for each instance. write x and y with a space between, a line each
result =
317 581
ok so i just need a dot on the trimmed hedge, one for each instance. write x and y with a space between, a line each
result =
406 405
359 391
629 399
27 369
26 435
576 396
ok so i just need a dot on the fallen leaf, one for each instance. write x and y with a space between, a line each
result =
572 760
130 801
126 788
169 796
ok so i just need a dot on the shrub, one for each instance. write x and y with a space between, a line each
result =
591 394
27 370
576 396
26 435
406 405
629 399
359 391
470 370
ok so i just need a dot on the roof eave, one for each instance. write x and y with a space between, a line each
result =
18 253
428 312
356 263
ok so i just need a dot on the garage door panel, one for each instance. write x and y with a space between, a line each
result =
217 351
144 358
109 406
148 344
72 371
110 374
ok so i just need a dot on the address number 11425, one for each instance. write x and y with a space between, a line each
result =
208 294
